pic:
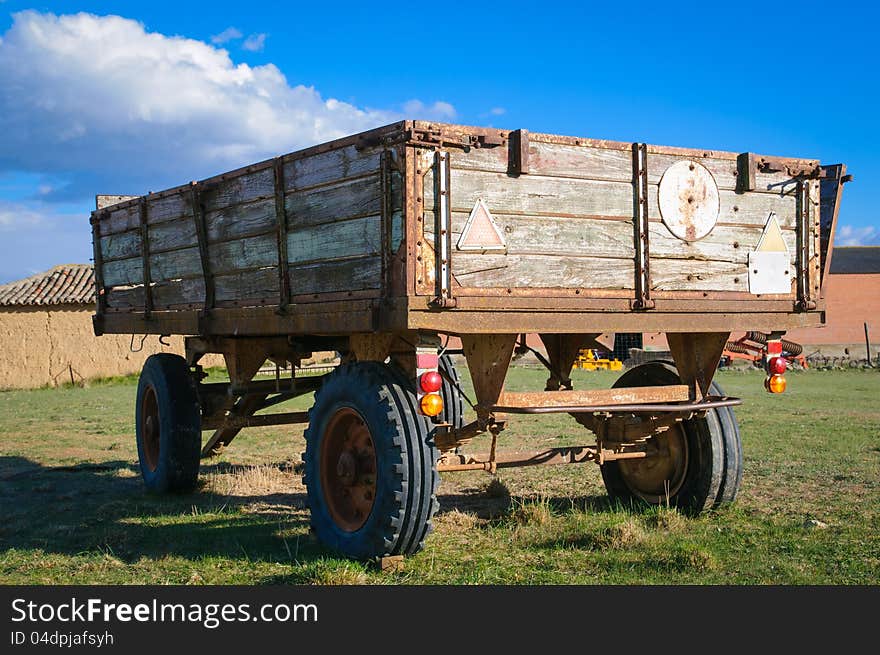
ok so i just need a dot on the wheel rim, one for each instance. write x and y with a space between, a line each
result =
150 429
659 478
348 469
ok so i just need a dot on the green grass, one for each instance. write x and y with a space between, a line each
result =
74 509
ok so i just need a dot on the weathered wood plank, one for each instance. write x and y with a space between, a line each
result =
166 295
331 166
353 238
241 254
557 236
250 288
120 220
553 159
120 246
172 235
168 207
724 243
334 276
243 188
175 264
536 195
542 271
240 220
360 197
123 272
693 275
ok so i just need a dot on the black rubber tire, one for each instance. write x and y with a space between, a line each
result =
453 401
406 471
714 470
180 435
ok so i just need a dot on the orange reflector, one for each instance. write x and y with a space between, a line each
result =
431 404
775 384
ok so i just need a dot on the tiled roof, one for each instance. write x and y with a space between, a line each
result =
62 285
855 259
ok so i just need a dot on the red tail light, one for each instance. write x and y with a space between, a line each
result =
777 366
430 381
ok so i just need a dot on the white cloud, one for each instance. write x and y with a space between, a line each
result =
112 108
497 111
229 34
437 111
96 104
847 235
254 43
15 216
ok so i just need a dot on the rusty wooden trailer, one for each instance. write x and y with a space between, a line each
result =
383 244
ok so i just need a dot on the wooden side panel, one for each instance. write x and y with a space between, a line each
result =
568 222
334 234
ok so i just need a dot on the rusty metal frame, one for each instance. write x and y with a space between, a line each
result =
804 292
696 356
145 257
708 402
642 298
488 358
442 229
100 292
518 153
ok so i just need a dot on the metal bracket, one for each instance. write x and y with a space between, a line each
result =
145 255
805 301
100 293
642 298
518 158
442 229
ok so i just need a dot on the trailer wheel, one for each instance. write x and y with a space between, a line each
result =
168 425
453 400
370 463
701 462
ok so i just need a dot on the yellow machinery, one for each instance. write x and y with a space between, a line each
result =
589 360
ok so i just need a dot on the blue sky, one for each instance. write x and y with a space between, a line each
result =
169 92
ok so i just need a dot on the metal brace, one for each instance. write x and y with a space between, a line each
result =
640 219
444 216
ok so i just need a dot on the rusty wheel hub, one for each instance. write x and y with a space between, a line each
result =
348 469
658 478
150 429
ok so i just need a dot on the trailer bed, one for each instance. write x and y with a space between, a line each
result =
446 228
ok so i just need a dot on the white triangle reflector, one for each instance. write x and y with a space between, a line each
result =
771 240
480 231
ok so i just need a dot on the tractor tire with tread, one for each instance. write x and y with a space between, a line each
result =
396 520
168 425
